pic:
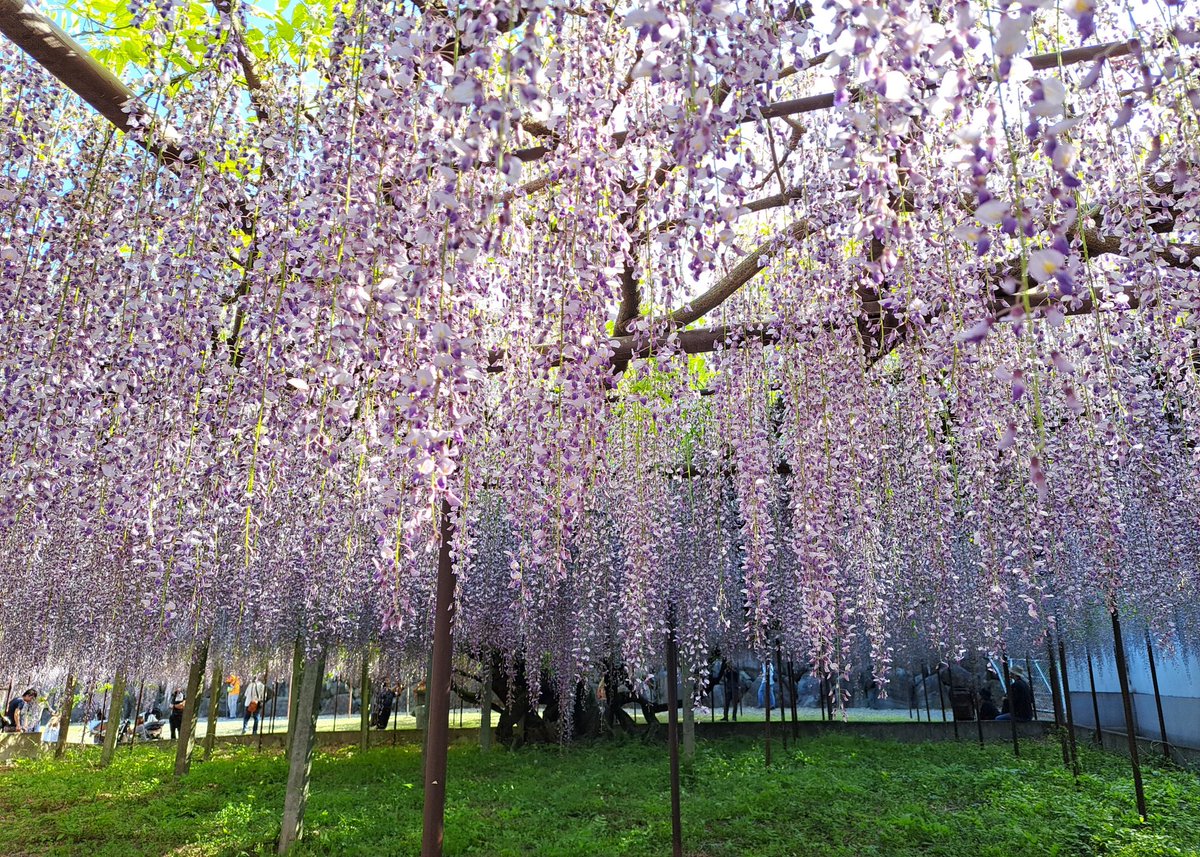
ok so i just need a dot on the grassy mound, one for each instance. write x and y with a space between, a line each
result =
830 796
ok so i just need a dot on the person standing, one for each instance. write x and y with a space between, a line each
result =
15 707
766 683
731 684
178 698
233 689
256 692
1018 704
383 701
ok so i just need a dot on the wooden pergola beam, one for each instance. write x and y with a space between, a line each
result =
80 72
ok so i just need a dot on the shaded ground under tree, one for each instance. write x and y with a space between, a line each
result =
834 796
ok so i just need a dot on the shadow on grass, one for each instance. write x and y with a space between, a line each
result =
833 795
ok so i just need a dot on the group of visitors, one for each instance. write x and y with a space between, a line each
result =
146 725
1017 703
733 687
252 699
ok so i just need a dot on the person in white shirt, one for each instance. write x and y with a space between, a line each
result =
256 694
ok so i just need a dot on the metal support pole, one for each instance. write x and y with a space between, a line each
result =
437 695
779 677
1012 714
396 712
485 708
262 706
1066 680
978 704
364 701
1053 680
1098 737
792 687
1059 720
673 733
953 713
274 707
1032 695
1123 676
1162 723
941 696
767 703
925 691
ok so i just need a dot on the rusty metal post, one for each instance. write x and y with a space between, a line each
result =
673 733
1098 736
1052 667
941 695
779 678
953 713
1162 723
767 703
792 687
925 690
1127 700
1066 680
438 695
978 703
1032 695
1059 720
1012 715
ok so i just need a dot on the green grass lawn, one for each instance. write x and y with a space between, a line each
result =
828 796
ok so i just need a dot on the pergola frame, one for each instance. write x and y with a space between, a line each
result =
879 330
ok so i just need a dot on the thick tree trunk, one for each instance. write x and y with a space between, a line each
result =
64 717
113 725
294 693
301 734
187 733
364 702
437 694
214 709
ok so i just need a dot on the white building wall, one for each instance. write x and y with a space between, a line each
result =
1178 683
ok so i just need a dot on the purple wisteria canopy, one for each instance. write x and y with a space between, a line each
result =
853 327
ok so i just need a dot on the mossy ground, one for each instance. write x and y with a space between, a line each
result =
829 796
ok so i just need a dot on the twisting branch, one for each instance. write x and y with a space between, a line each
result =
826 100
253 81
631 294
742 273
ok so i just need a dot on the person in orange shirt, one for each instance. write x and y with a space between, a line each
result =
233 687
